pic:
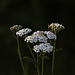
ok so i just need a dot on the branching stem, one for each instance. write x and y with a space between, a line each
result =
42 64
38 64
53 60
31 52
19 53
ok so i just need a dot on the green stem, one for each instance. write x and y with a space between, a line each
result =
31 52
53 61
38 64
42 64
19 53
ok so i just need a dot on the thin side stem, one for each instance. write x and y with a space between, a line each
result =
42 64
19 53
53 60
38 64
31 52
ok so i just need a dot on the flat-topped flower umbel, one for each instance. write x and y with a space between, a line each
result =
37 36
23 31
15 28
55 27
43 47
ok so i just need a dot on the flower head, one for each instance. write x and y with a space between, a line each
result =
36 36
50 35
55 27
43 47
23 31
15 28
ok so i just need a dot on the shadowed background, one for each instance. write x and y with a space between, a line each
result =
37 14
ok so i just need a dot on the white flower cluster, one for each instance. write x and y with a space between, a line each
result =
44 47
36 36
56 27
50 35
23 31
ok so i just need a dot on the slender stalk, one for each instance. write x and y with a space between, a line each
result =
19 53
31 52
53 60
38 64
42 64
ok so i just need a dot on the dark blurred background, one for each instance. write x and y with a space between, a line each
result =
37 14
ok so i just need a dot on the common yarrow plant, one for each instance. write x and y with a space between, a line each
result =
41 42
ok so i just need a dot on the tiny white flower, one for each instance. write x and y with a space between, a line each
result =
36 48
35 40
31 40
51 48
41 40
